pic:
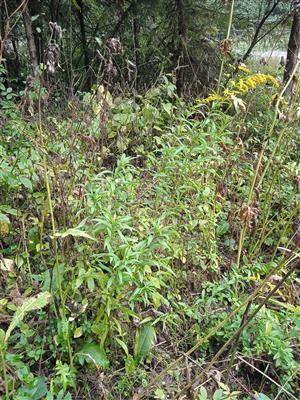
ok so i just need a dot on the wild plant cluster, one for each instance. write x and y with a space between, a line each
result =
150 246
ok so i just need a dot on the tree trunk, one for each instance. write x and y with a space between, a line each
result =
136 30
2 30
80 15
54 6
34 10
293 50
30 40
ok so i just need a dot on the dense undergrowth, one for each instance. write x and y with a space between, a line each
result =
139 234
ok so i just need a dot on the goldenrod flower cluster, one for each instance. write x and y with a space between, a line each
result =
212 97
242 86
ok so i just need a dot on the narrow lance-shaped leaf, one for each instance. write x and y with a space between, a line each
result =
33 303
75 232
144 341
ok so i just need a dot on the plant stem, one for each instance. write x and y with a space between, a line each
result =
236 342
4 375
50 204
227 38
244 228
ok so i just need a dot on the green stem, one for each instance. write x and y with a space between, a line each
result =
227 38
3 364
50 204
244 228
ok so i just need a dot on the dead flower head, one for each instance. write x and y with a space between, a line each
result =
248 215
115 46
56 29
225 47
111 70
52 54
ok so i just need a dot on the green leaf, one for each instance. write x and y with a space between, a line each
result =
9 210
78 332
94 353
160 394
30 304
99 41
4 218
167 107
74 2
203 393
34 17
223 228
268 329
218 395
75 232
262 396
26 182
123 345
145 339
35 389
41 389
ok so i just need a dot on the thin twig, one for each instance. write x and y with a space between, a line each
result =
268 377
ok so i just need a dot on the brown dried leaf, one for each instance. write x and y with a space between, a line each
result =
7 264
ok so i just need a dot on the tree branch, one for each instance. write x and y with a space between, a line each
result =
256 38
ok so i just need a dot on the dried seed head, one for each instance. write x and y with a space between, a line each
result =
294 85
225 47
52 55
111 70
275 279
248 215
56 29
115 46
240 143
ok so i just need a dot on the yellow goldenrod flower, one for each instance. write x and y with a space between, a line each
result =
243 68
242 86
212 97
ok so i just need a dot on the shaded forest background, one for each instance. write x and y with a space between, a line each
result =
130 44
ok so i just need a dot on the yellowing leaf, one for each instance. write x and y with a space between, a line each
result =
78 332
4 225
75 232
33 303
148 269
